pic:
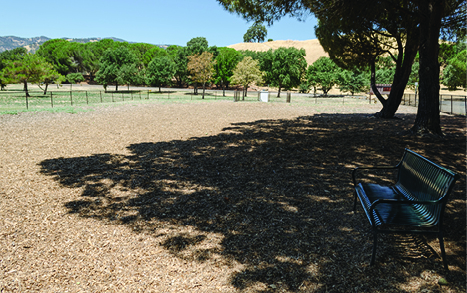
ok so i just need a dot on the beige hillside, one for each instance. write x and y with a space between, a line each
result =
312 48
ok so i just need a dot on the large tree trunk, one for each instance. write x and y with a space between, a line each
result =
378 95
401 76
428 118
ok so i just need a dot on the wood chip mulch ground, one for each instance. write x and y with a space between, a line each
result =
214 197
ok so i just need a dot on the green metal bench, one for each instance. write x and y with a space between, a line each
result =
414 204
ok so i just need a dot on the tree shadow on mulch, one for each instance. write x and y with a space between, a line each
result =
280 194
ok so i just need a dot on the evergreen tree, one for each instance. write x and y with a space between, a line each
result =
160 71
118 66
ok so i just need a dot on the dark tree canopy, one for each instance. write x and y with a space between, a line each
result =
423 20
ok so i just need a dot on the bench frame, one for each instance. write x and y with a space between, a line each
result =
418 209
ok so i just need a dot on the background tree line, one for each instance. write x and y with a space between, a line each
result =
108 62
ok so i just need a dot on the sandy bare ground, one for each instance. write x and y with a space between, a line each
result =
313 48
211 197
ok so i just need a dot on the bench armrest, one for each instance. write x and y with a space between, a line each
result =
354 171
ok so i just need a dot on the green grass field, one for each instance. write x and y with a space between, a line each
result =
13 100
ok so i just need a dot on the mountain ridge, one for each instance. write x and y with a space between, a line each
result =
32 44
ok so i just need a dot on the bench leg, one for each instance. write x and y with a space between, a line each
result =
443 252
355 201
375 241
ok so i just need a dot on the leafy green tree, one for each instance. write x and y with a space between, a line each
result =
78 54
311 78
284 67
152 53
50 77
201 68
94 51
257 32
326 74
73 78
253 54
160 71
226 61
58 53
196 46
118 66
247 72
140 50
353 81
10 55
385 71
454 74
304 87
179 55
447 50
31 68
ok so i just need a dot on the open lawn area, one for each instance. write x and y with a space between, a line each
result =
214 197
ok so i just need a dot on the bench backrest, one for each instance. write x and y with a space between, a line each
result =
421 179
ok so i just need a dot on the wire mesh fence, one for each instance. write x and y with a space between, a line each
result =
11 101
18 101
452 104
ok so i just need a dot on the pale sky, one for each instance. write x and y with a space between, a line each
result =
172 22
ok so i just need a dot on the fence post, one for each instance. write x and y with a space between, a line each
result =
112 97
87 100
451 104
27 101
71 97
100 93
51 100
123 97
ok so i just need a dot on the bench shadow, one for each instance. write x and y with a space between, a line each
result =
279 192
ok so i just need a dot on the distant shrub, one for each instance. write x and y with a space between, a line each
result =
304 88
